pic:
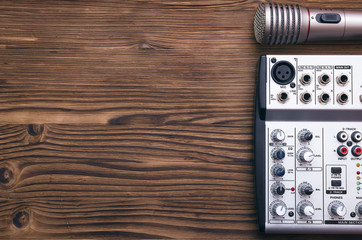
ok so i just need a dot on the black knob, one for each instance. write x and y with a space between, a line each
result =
305 136
308 190
280 190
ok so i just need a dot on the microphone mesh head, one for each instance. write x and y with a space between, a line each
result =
278 24
259 24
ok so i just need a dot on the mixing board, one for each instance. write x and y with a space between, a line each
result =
308 151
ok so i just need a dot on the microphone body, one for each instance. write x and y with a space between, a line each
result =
278 24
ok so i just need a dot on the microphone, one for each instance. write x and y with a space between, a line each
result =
279 24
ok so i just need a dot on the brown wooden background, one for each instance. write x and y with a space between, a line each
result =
132 119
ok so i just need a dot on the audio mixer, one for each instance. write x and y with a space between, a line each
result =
308 144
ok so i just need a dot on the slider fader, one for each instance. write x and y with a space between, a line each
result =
308 144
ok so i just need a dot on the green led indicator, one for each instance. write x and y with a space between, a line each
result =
358 183
358 188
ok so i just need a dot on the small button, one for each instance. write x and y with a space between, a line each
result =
336 170
329 18
349 143
336 183
291 214
353 214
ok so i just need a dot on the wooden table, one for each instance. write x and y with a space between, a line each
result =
132 119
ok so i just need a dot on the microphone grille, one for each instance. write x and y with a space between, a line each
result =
276 24
259 24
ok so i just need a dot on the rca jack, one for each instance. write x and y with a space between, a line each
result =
342 80
356 136
342 136
342 98
342 150
356 151
305 97
324 79
324 98
283 97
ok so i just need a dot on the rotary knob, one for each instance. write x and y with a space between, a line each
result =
278 154
305 189
278 208
305 155
277 135
337 209
278 170
278 188
359 209
305 136
306 209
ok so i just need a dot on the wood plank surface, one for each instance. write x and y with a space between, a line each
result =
132 119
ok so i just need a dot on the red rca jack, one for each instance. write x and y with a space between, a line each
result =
342 150
356 151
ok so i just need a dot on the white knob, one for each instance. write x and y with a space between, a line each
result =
305 155
278 208
306 209
338 209
278 135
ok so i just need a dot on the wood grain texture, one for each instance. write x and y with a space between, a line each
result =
132 119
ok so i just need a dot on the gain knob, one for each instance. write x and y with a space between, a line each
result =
305 208
278 188
337 209
277 136
278 170
359 209
278 154
305 155
305 189
278 208
305 135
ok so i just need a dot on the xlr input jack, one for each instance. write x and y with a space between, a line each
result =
306 79
283 97
306 97
342 80
342 98
324 79
324 98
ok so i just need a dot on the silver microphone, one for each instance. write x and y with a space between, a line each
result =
277 24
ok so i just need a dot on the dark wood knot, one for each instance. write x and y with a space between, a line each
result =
6 175
21 218
35 129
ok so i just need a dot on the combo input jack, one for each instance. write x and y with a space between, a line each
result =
306 97
324 79
324 98
283 97
342 98
342 80
306 79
